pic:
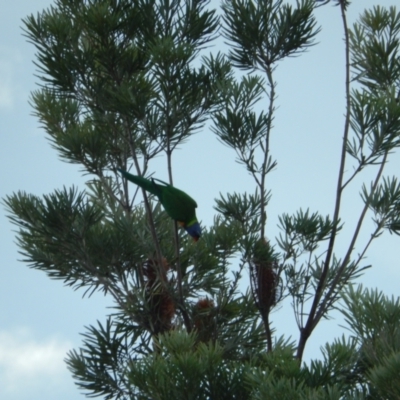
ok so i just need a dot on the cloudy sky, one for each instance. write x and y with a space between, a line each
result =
40 319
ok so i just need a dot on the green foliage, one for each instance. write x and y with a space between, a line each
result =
94 366
245 209
123 81
375 46
202 373
375 120
384 201
338 366
264 32
118 77
303 232
385 377
373 319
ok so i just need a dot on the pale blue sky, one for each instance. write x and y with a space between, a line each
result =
40 319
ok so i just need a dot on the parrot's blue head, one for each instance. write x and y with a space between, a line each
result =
194 231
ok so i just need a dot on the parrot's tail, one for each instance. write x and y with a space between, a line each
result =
144 183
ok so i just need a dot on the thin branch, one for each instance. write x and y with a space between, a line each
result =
346 259
362 164
182 307
373 236
265 318
268 71
146 200
364 211
115 291
310 325
305 287
108 188
357 170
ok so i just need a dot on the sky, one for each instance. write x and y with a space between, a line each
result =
41 320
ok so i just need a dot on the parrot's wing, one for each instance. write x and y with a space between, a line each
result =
183 197
179 205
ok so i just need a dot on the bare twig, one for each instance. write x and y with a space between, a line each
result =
146 200
181 305
324 304
271 82
310 325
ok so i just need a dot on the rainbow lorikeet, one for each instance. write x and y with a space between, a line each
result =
177 204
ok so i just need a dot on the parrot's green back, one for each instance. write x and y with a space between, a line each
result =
177 204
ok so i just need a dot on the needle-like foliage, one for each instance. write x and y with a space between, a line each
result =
124 81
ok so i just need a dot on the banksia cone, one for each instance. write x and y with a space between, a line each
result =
204 321
161 303
264 276
151 271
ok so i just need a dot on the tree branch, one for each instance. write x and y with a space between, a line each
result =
310 325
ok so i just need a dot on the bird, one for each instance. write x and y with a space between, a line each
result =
177 204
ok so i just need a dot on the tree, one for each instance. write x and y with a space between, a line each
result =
124 81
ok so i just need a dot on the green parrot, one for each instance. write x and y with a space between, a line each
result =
177 204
